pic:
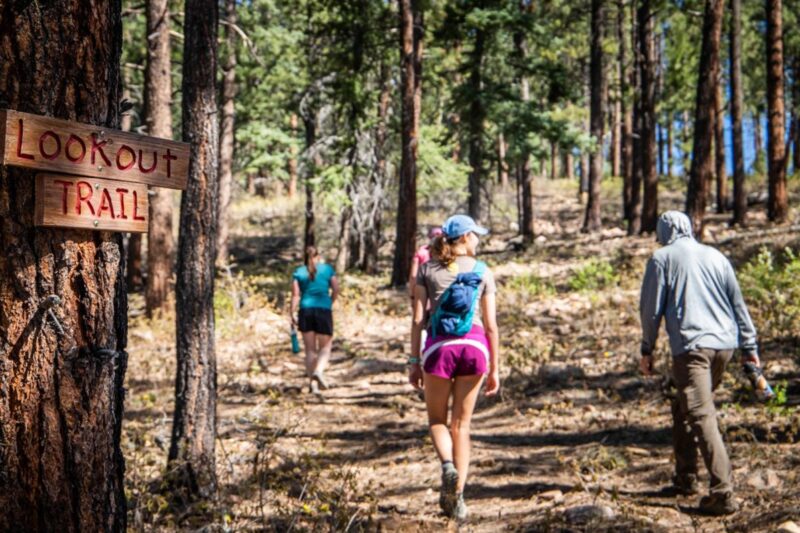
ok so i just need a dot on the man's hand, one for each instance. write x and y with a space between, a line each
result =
646 364
751 358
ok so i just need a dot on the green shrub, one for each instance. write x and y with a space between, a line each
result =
530 286
771 287
594 275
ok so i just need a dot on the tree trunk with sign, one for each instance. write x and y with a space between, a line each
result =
191 454
61 467
158 118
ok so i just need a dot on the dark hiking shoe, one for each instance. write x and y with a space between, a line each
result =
447 496
461 512
718 504
685 485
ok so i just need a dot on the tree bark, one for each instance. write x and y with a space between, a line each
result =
685 139
406 227
158 118
616 136
647 68
61 399
554 156
524 167
719 148
477 115
626 110
310 124
737 97
702 161
758 139
292 162
778 201
226 133
592 220
669 144
134 277
191 453
635 208
502 164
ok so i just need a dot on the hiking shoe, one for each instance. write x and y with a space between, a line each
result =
461 512
718 504
317 377
447 495
685 485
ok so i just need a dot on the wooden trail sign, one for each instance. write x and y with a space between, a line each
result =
91 203
45 143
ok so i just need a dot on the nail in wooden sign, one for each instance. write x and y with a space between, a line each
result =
50 144
91 203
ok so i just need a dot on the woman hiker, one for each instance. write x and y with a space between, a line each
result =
462 347
422 256
315 288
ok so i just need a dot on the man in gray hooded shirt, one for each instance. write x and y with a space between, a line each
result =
694 287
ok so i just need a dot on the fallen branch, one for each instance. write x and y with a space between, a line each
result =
761 233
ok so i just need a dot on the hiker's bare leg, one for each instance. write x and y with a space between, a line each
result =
310 343
324 343
437 396
465 394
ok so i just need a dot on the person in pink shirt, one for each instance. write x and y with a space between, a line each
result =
422 256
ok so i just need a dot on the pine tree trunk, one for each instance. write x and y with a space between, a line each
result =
192 463
568 163
635 209
758 141
61 399
737 97
226 133
702 160
647 68
524 167
592 220
685 141
778 201
554 160
662 141
719 148
406 227
669 145
134 278
292 162
616 140
626 109
477 115
158 118
310 124
373 234
502 164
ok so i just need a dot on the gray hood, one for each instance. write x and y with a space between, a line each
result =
673 225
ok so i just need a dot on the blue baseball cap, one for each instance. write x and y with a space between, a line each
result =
458 225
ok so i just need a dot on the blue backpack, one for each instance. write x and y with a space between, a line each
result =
457 304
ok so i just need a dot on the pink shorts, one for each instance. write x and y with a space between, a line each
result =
447 356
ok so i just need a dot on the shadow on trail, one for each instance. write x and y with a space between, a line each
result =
623 436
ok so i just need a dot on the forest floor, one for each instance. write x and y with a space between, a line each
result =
577 441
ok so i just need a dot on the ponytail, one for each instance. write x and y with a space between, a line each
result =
442 250
311 261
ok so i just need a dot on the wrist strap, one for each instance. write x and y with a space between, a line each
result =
413 360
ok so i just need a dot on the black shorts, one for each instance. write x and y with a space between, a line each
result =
315 319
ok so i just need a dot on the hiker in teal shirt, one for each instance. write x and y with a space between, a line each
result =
315 288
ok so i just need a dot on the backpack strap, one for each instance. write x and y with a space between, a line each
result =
479 268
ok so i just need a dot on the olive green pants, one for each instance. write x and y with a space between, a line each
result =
697 373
